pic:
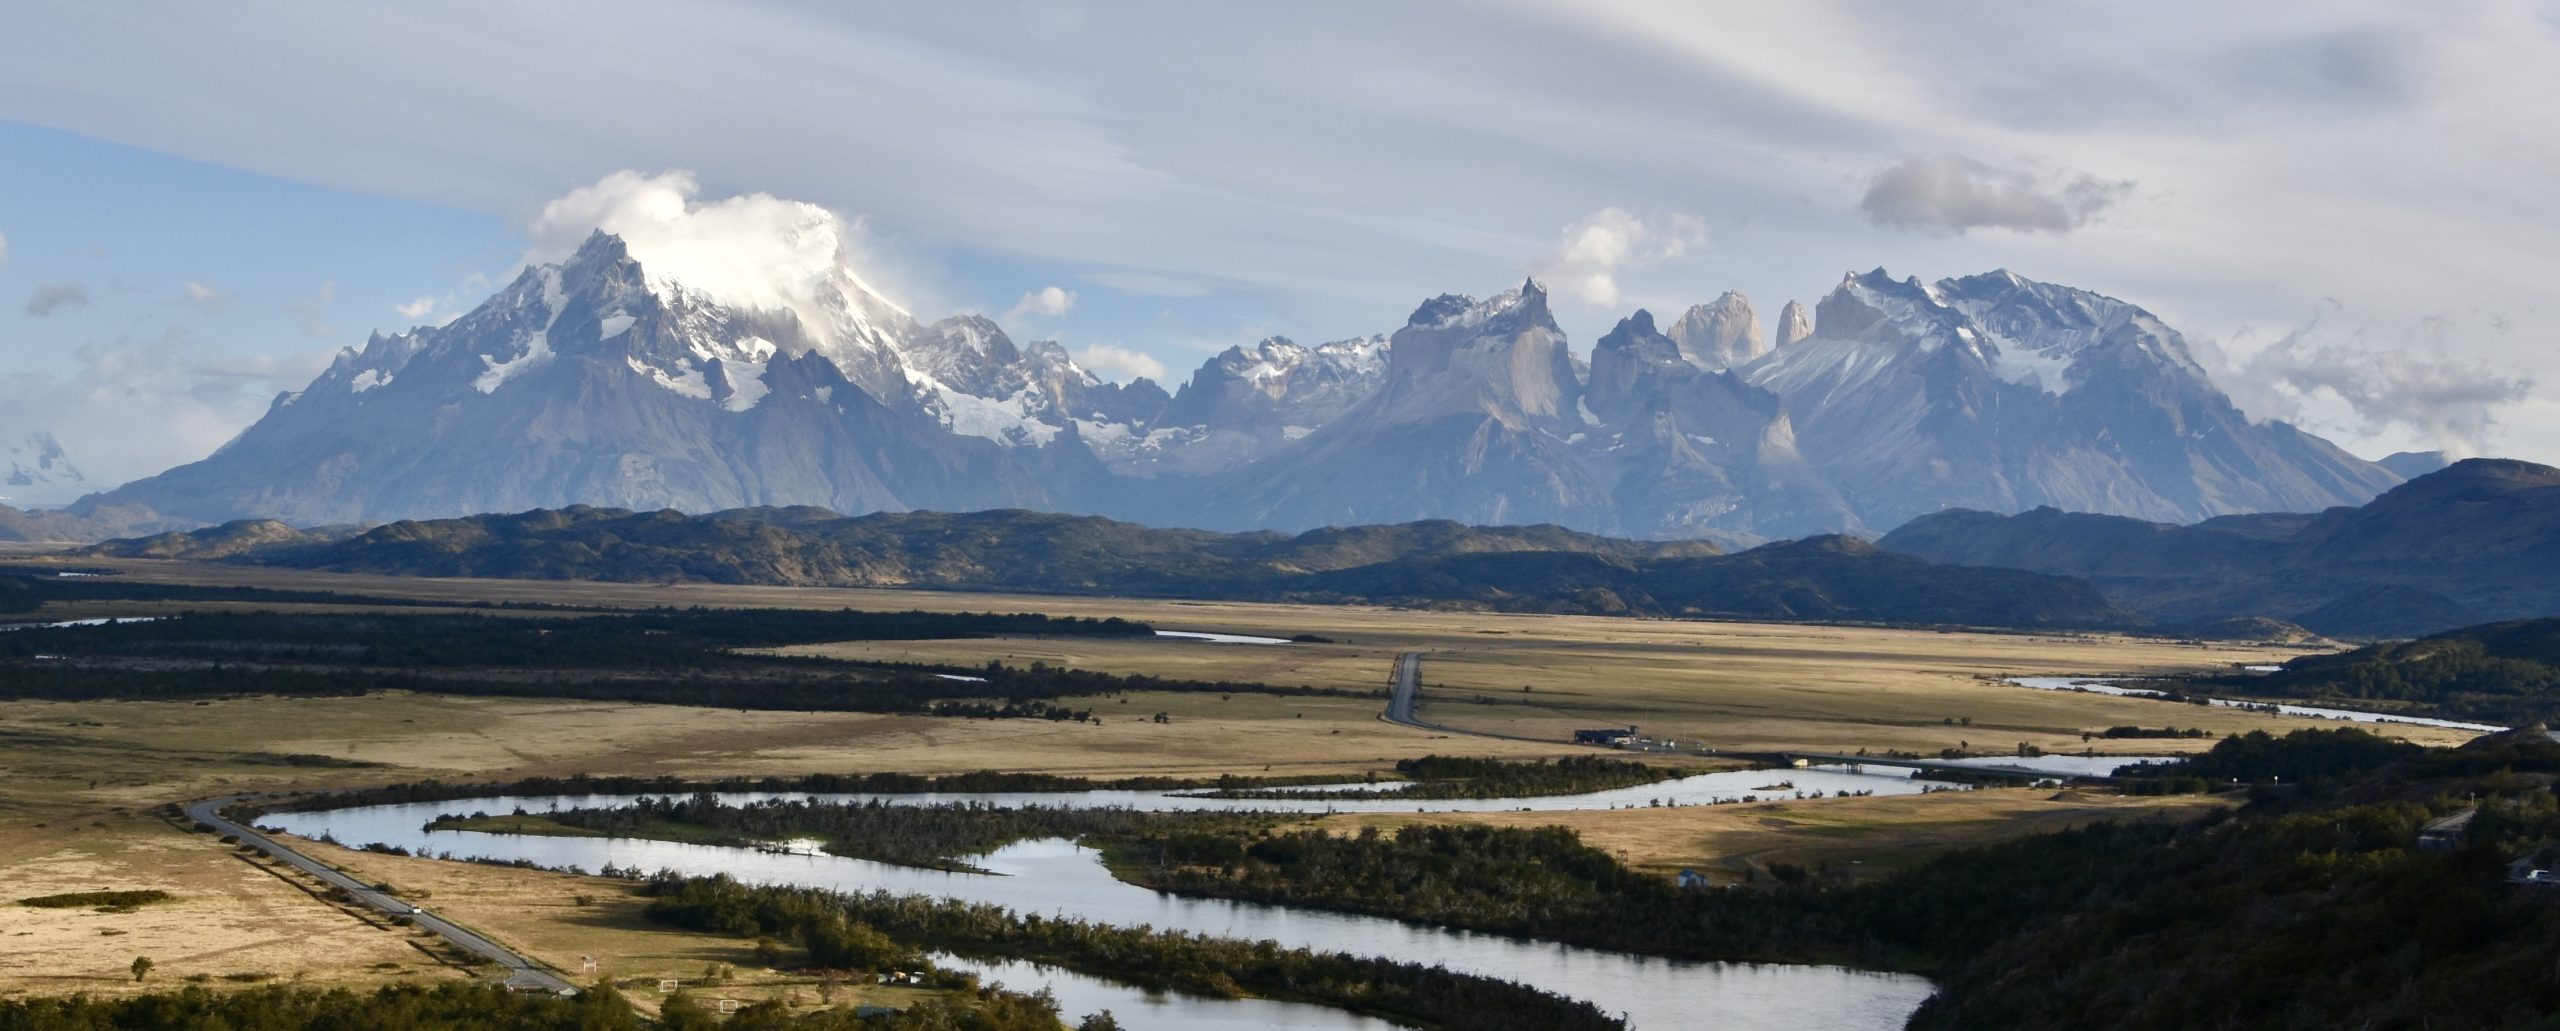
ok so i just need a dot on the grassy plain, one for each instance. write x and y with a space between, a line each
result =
77 779
1742 686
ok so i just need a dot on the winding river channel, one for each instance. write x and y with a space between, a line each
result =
2105 685
1059 877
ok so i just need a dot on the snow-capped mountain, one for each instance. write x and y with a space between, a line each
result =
2000 393
617 379
596 381
969 375
1243 404
40 472
1476 421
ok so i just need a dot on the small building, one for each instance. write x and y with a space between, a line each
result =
1610 738
1691 879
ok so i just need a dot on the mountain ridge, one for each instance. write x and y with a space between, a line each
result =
601 380
2471 543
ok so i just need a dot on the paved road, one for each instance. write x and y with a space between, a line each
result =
1408 693
522 973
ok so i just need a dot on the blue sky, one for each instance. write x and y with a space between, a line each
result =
2345 205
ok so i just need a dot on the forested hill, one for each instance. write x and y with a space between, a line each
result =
2312 907
2504 672
2472 543
1437 563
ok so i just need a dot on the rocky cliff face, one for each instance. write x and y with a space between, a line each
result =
1720 335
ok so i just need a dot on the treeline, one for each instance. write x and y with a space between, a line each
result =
2302 757
406 1007
24 589
2306 910
2123 732
2505 673
930 836
654 640
847 927
1536 883
1540 883
106 899
1438 777
817 783
687 657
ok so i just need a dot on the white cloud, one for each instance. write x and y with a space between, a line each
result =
51 299
1952 194
2282 151
4 248
2335 383
1593 251
207 299
415 310
1119 364
756 250
195 400
1047 302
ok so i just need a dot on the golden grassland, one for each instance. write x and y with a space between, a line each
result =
563 920
232 921
1743 686
77 779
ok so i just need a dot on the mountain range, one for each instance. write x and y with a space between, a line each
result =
597 381
2475 542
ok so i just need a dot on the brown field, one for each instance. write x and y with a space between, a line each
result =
77 779
538 915
230 916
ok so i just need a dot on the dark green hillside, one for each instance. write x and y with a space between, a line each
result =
2502 672
1423 564
2475 542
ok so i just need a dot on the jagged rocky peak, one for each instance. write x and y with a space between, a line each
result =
1874 306
1623 360
1503 355
1794 323
1277 384
1720 335
965 352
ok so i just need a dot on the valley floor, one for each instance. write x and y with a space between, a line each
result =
78 781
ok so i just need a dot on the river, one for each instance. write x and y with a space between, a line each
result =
1059 877
2102 685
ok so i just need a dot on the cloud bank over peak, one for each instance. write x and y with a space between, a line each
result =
1119 364
1595 249
754 250
1950 195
